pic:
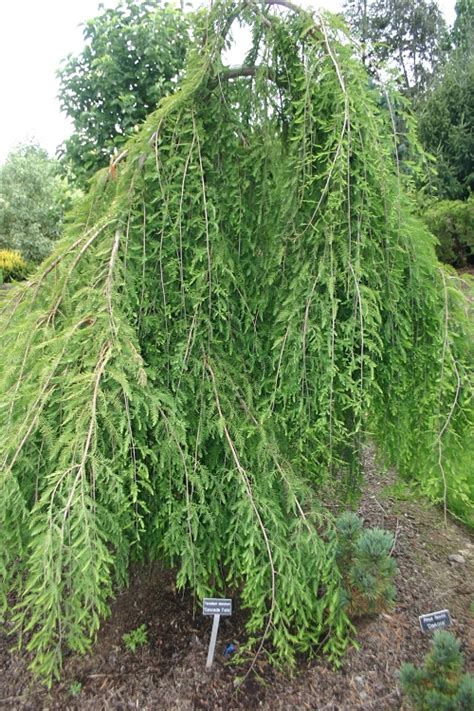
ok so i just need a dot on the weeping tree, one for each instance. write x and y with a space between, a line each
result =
244 299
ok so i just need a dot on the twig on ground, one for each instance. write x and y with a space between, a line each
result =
397 528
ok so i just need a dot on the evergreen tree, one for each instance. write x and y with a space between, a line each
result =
463 28
446 126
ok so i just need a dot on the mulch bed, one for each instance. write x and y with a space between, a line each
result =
169 673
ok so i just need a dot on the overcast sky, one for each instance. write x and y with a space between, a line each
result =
34 36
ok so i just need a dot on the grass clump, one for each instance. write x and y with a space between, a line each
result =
75 688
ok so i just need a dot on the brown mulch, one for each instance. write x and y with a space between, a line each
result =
169 673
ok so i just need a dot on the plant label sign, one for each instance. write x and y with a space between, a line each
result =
435 621
216 607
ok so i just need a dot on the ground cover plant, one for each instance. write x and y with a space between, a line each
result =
243 299
135 638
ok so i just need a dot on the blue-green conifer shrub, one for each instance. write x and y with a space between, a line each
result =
440 684
364 558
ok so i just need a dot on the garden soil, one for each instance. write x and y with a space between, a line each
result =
169 672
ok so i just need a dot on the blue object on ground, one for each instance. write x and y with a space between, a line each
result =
230 649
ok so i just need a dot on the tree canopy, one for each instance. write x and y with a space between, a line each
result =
33 200
132 57
445 118
463 28
409 35
446 111
244 300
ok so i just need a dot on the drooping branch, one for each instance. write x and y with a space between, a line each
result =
235 72
286 3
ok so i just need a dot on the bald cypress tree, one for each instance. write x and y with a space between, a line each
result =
243 300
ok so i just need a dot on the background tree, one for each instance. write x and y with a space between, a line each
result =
445 124
33 201
132 57
463 29
409 35
356 13
446 110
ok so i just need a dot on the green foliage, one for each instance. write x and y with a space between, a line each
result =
12 266
244 298
136 638
410 36
452 222
445 118
440 684
132 57
33 200
463 28
363 556
75 688
446 110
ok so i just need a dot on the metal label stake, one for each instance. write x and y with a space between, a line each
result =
215 607
212 643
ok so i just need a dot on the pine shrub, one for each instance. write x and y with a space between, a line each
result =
440 684
364 558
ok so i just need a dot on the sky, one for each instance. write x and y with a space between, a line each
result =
35 35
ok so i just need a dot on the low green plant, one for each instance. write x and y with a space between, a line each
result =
75 688
136 638
364 558
452 222
400 490
440 684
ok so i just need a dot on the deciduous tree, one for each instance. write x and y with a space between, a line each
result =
244 299
408 35
133 56
33 200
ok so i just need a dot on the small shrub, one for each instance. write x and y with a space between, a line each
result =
440 684
366 566
12 266
75 688
136 638
452 222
